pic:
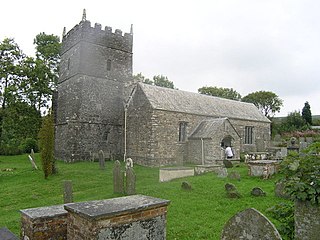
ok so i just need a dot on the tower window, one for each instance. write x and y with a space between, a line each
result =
248 135
68 64
182 131
108 65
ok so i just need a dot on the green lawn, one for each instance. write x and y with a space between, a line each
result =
197 214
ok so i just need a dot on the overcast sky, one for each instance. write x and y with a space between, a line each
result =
247 45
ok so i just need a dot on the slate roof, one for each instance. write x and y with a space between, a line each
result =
200 104
209 128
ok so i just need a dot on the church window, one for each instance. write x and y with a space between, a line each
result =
182 131
68 64
108 65
248 135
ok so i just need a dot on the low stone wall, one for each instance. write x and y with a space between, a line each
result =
44 223
132 217
167 174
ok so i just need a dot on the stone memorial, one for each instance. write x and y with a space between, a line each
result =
235 176
186 186
222 172
232 191
118 186
102 160
227 163
67 191
130 181
257 192
279 190
250 224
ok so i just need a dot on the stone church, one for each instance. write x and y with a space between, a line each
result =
100 107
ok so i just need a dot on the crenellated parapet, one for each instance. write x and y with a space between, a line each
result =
96 35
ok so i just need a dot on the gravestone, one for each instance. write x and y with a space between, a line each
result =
235 176
222 172
279 190
117 178
302 146
309 140
227 163
284 152
34 166
250 224
67 191
186 186
130 181
101 160
277 138
6 234
232 191
257 192
301 139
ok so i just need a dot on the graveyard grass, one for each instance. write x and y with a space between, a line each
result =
197 214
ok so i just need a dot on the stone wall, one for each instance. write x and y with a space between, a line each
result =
44 223
132 217
153 135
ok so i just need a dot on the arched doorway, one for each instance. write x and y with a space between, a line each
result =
227 141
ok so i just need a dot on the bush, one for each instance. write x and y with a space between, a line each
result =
28 144
302 174
284 213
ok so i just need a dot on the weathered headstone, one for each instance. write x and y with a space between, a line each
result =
222 172
232 191
307 220
34 166
227 163
6 234
277 138
130 181
101 160
67 191
279 190
235 176
117 178
186 186
284 152
309 140
257 192
302 146
250 224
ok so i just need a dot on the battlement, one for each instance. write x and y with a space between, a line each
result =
96 35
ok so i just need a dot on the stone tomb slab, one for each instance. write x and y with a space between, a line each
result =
5 234
167 174
250 224
256 168
126 218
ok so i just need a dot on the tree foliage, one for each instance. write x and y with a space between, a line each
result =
46 145
228 93
158 80
306 113
268 102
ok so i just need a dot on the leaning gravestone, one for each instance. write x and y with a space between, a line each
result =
250 224
117 178
101 160
257 192
67 191
6 234
130 181
227 163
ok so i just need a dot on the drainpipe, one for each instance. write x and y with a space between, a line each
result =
202 152
125 134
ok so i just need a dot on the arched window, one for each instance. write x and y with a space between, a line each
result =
108 65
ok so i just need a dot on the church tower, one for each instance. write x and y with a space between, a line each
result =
95 76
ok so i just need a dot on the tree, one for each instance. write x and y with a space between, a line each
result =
158 80
10 59
228 93
294 121
162 81
306 113
268 102
46 144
